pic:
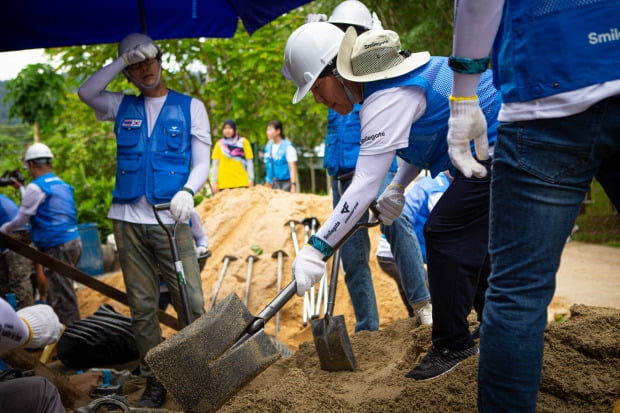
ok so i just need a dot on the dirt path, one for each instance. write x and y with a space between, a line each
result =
590 274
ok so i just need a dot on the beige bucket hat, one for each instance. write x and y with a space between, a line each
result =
374 55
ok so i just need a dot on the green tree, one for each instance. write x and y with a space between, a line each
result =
237 78
36 95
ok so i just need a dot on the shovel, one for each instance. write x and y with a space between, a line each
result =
178 264
226 260
211 359
248 278
331 339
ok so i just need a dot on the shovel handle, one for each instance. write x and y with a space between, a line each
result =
278 302
178 264
267 313
333 283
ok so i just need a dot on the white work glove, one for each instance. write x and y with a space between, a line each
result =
140 53
43 324
312 18
391 203
182 205
467 122
201 250
308 268
4 227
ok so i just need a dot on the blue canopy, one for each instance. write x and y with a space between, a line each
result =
30 24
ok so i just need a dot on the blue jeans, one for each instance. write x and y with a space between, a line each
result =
406 251
144 254
541 172
355 253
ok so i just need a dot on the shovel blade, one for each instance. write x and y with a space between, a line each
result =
332 344
199 365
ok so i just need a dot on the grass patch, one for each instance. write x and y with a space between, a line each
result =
600 224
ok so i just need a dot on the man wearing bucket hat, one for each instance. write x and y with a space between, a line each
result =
559 129
159 135
342 145
405 111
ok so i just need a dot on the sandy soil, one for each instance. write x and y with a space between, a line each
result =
582 354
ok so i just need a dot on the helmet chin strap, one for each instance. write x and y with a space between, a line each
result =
142 85
347 91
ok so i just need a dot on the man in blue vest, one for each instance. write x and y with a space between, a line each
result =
342 146
559 129
159 134
48 204
405 112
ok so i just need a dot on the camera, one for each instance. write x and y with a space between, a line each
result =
6 180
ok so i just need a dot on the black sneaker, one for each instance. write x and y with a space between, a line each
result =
154 395
439 361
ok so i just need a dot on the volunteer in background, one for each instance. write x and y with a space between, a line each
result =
233 160
280 159
49 206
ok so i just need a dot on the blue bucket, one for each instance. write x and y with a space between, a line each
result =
91 261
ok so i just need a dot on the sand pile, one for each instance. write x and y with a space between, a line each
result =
236 220
582 354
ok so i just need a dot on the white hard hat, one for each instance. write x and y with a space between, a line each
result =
38 151
134 39
352 13
308 50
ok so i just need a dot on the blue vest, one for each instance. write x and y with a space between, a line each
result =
8 209
277 168
56 219
158 165
342 142
428 146
544 48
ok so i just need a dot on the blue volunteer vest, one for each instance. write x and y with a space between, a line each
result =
8 209
277 167
158 165
428 146
544 48
342 142
56 219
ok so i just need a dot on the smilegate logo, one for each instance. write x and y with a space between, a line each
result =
375 44
331 231
368 138
612 35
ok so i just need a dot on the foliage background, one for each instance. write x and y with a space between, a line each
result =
237 78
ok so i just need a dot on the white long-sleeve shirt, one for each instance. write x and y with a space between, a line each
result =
13 331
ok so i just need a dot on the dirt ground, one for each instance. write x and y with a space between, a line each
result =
582 353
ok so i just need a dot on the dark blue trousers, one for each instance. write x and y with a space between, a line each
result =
457 238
